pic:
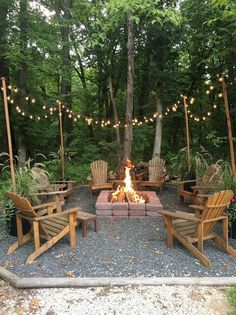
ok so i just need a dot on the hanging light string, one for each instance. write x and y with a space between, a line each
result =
51 109
214 106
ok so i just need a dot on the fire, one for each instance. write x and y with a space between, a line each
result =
127 190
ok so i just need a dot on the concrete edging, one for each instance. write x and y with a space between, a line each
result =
30 283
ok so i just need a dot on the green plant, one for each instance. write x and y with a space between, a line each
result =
198 162
26 186
231 211
231 292
227 180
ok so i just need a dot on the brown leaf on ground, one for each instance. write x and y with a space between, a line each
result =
70 273
21 310
34 305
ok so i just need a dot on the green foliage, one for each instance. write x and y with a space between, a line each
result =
143 143
231 211
78 172
26 186
227 180
231 292
179 48
198 161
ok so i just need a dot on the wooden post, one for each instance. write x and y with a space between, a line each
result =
187 132
62 143
4 91
227 113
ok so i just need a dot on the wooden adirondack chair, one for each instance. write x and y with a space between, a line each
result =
45 185
189 228
202 186
45 223
157 173
99 179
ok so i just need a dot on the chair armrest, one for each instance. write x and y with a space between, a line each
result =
203 187
63 213
45 205
186 181
204 195
180 215
51 193
62 181
196 207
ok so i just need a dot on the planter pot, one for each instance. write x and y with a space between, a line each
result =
12 229
232 230
187 186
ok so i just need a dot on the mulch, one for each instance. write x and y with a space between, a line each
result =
120 248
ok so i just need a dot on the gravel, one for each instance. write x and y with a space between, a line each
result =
122 247
166 300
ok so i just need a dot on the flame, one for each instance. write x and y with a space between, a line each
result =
128 188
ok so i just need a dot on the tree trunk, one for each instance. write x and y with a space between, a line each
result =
128 138
66 79
158 132
4 67
23 21
117 129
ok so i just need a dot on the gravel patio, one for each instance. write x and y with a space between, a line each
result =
122 247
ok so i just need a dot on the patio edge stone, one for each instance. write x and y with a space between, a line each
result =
8 276
30 283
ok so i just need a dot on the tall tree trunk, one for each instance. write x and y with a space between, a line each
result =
117 129
66 79
158 132
23 23
128 138
144 85
4 67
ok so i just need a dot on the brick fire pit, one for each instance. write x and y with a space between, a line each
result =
106 208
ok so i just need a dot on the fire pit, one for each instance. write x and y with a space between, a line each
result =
126 202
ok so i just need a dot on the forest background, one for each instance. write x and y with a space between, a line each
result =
119 69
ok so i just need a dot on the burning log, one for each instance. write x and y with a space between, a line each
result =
118 195
127 192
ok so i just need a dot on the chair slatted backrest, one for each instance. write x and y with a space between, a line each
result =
25 208
214 208
40 176
211 175
99 171
156 168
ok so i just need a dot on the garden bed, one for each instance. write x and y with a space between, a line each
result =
121 248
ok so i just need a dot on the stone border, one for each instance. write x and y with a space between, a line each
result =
39 283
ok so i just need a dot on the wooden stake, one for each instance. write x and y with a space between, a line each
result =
228 120
4 91
62 143
187 132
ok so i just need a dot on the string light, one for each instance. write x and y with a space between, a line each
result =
104 123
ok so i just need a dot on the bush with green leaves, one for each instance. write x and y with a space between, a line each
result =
227 180
198 162
26 186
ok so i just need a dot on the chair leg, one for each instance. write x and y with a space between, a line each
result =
200 237
229 249
72 222
223 241
95 225
36 235
84 225
195 251
47 245
27 237
169 226
19 230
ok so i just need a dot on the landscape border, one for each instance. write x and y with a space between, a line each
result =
84 282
